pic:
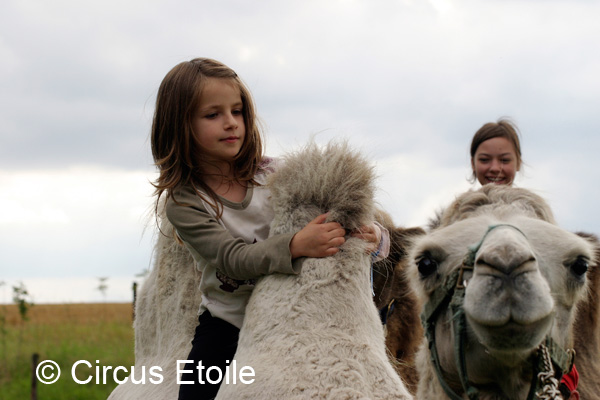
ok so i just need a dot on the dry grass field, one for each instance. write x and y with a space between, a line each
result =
100 334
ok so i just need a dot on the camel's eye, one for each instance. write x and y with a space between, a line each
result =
580 266
427 266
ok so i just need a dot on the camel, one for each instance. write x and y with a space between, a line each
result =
166 315
318 334
586 331
502 286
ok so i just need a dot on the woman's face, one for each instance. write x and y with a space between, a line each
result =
495 161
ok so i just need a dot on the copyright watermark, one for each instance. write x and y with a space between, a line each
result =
48 372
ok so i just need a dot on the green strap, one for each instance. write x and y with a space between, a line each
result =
435 360
562 359
459 324
440 297
470 258
438 301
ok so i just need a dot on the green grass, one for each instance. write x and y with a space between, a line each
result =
101 334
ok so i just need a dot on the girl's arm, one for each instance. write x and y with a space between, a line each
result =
239 260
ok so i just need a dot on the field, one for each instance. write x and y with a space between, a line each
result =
100 334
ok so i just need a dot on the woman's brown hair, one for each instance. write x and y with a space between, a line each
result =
174 148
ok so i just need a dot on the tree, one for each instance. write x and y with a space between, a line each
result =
23 301
3 331
102 286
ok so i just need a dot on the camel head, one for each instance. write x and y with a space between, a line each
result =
500 282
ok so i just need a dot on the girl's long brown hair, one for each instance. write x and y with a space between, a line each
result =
174 149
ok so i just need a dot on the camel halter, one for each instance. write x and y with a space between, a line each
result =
451 294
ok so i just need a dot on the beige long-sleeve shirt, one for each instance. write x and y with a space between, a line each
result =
233 251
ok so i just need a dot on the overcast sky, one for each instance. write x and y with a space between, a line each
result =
406 81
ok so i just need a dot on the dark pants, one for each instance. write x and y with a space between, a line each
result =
214 344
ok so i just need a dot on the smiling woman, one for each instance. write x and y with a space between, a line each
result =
496 153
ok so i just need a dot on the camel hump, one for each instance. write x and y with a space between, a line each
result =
317 179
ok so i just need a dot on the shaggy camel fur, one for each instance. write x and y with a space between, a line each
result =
527 279
166 316
318 334
398 303
586 332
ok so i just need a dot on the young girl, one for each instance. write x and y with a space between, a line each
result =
208 150
496 158
496 153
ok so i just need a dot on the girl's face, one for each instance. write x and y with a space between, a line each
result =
218 122
495 161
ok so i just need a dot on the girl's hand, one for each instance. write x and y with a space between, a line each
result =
318 239
371 234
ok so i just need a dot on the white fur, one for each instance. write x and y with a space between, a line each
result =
317 335
166 316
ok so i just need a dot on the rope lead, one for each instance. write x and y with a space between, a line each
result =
546 377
